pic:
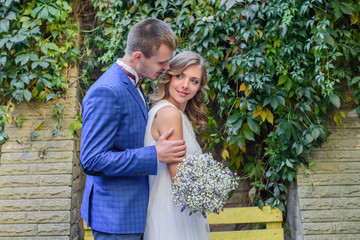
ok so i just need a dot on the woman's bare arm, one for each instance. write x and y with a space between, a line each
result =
166 118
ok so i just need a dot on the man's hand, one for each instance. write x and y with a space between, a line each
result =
170 151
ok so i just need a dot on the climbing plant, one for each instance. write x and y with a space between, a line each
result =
277 69
37 46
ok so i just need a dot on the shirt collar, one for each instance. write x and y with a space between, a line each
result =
130 70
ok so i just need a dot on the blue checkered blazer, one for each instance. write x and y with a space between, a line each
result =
113 157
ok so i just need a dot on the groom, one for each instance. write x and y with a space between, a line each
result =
114 121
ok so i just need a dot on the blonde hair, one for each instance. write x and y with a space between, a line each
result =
147 35
195 108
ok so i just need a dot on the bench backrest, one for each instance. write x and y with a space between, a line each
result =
271 217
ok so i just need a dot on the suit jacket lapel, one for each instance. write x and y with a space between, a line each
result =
134 93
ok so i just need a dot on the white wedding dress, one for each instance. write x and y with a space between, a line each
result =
165 221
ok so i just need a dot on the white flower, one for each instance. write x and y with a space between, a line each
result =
202 184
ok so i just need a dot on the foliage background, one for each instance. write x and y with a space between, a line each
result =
277 69
37 46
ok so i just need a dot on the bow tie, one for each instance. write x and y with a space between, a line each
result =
130 75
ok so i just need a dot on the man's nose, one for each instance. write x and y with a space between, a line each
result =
166 66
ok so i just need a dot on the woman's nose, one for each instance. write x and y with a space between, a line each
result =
185 83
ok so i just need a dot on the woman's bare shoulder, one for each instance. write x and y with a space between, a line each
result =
168 113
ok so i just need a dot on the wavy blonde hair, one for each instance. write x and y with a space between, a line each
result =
195 108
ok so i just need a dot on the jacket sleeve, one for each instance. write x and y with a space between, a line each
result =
102 117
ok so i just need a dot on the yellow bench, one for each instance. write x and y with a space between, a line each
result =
271 217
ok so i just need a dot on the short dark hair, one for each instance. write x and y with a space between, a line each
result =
147 35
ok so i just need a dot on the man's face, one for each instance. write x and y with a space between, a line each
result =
154 66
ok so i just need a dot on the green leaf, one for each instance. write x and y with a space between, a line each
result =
11 15
40 86
5 135
52 46
355 80
44 49
315 133
19 85
34 92
280 100
36 11
336 6
290 177
309 138
233 118
289 164
259 171
3 41
3 60
274 103
282 79
74 126
47 83
246 132
44 64
329 40
4 25
24 19
23 58
2 140
249 168
254 126
240 140
34 65
27 95
50 96
335 100
299 149
44 13
346 8
52 11
261 204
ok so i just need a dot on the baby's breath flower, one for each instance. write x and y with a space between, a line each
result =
202 184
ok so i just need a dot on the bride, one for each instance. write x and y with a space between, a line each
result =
179 104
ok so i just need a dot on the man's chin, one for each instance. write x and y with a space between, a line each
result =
156 77
153 78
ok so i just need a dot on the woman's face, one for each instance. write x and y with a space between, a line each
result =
184 86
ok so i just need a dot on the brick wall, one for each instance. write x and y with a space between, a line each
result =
41 181
331 208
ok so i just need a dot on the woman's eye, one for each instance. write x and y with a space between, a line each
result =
195 81
179 76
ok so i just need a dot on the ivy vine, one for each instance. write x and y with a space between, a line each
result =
277 68
37 47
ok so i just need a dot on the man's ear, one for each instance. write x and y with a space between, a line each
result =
137 56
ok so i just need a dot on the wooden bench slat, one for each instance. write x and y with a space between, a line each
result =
272 217
246 215
274 225
265 234
87 232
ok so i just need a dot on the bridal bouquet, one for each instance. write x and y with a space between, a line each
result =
202 185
